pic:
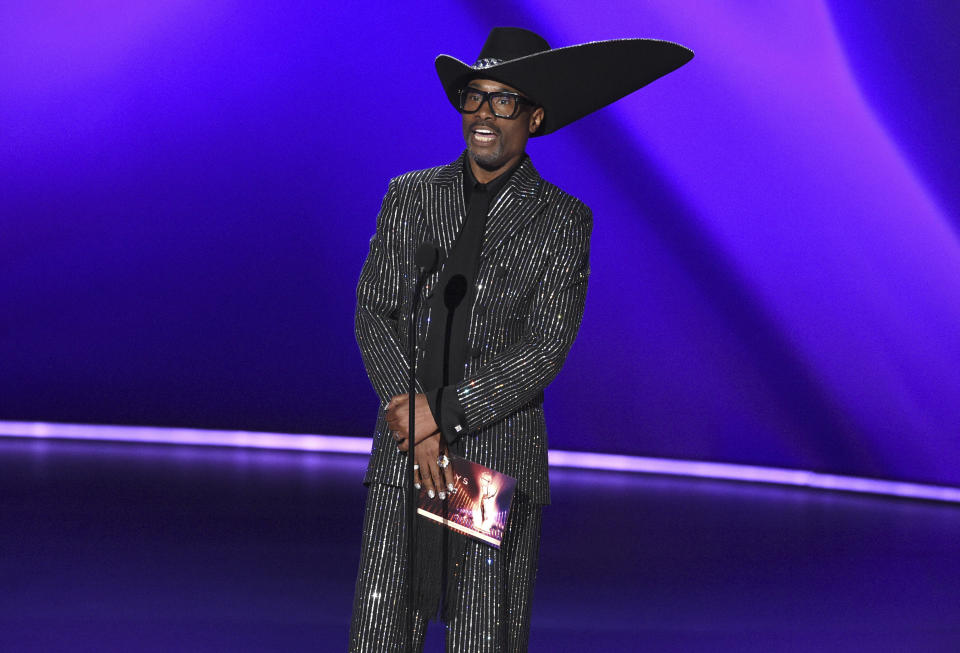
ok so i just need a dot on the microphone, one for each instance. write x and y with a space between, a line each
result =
455 291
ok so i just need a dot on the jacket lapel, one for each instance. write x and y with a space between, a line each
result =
443 210
514 207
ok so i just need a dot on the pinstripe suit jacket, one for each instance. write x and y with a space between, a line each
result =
530 289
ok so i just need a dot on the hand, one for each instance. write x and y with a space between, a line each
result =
398 419
429 474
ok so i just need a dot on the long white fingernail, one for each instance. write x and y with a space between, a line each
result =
443 495
450 487
431 494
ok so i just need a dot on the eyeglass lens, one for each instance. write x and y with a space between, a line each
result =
503 105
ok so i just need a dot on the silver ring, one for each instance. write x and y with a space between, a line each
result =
443 461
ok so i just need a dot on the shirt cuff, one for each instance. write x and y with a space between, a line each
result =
447 412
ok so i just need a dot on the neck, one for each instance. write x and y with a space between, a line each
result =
485 176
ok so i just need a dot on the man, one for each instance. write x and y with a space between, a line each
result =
493 328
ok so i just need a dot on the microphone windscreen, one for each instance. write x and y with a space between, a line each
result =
455 291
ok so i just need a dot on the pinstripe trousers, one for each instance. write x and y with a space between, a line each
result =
496 586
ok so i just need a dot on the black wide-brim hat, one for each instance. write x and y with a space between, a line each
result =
569 82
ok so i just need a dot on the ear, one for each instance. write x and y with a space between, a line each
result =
536 118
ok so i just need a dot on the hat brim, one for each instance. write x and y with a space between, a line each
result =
571 82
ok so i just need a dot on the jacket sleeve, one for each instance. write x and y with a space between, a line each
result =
519 373
380 302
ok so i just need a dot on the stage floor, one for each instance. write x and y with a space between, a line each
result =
113 547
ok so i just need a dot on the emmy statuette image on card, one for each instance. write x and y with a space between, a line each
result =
479 505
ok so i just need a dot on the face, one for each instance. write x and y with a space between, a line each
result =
495 144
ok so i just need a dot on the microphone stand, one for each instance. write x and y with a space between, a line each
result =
453 294
426 259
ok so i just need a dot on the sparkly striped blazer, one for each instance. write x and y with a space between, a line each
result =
530 289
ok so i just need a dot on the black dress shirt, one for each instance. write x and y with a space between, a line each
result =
446 351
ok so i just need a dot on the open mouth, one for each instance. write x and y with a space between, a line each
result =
484 135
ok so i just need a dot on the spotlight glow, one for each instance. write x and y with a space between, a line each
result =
567 459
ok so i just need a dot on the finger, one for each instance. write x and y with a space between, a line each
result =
398 420
443 465
394 402
427 479
435 478
398 427
417 483
448 478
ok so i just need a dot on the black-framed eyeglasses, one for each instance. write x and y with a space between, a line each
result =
502 103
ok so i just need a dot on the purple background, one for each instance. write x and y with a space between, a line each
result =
188 189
